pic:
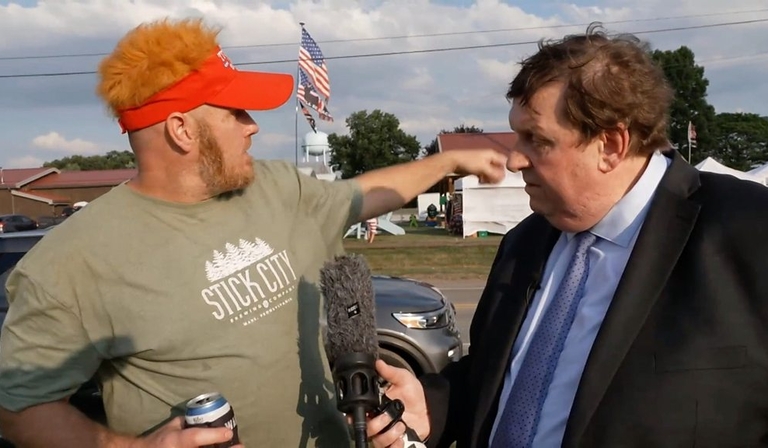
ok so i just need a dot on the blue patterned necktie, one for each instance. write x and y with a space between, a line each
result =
520 419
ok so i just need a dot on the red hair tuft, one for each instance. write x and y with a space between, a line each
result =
152 57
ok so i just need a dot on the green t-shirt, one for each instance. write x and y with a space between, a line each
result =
167 301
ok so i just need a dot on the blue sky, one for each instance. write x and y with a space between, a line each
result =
51 117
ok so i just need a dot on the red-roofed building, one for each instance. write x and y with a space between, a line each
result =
80 179
22 176
45 192
500 141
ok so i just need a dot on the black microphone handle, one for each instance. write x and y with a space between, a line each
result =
357 390
359 424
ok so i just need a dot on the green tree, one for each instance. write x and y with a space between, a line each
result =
112 160
461 129
375 140
690 103
741 140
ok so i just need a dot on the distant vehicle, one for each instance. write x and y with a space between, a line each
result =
416 324
49 221
16 223
69 211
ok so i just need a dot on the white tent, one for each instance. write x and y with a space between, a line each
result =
495 208
760 172
713 166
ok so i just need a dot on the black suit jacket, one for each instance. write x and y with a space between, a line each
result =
681 359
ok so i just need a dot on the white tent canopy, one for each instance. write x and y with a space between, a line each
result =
713 166
495 208
760 172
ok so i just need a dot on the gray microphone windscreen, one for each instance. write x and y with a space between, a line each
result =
347 288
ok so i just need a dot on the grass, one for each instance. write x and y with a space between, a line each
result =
428 254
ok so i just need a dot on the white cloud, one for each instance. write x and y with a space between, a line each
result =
498 72
420 80
426 124
24 162
53 141
272 139
273 145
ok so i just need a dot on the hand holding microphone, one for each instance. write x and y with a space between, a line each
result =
405 387
351 346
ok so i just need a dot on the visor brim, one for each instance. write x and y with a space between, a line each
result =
258 91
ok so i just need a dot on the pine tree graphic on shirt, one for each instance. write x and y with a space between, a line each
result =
236 258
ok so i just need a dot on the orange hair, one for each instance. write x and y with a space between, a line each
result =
152 57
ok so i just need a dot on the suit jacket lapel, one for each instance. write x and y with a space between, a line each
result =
662 238
511 290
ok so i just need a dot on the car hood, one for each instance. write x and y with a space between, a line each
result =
405 295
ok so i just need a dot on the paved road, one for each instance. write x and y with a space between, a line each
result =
464 295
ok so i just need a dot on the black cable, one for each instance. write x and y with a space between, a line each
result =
413 36
394 53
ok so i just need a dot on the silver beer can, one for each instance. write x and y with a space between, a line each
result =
212 410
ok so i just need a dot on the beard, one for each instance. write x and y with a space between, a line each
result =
217 176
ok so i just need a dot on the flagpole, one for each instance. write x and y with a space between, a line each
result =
296 127
296 114
689 141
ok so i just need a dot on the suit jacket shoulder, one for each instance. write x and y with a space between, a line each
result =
733 212
720 192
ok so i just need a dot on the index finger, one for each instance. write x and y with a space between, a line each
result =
377 424
500 158
391 374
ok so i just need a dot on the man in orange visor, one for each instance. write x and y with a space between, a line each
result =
198 275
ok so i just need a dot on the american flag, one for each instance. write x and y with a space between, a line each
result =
309 117
312 61
307 94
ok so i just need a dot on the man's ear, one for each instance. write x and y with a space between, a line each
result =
181 130
614 148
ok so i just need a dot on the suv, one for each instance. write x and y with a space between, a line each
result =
416 324
16 223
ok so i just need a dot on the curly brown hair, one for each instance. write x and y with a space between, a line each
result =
152 57
609 81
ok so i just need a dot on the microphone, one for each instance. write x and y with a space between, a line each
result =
351 346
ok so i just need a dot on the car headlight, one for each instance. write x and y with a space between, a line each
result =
428 320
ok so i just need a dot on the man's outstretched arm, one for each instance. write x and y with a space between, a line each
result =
390 188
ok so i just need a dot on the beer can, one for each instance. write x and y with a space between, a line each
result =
212 410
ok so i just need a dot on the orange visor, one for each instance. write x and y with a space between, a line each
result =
217 83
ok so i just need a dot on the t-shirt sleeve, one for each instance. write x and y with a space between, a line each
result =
45 352
334 205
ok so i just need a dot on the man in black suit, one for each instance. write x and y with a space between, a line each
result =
631 308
